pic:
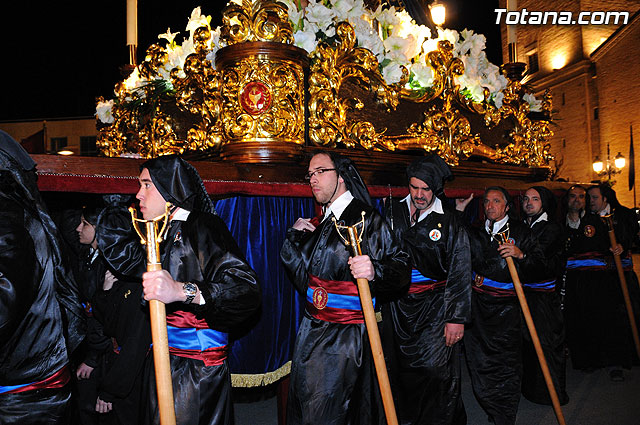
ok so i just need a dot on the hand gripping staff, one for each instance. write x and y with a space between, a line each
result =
608 219
158 315
503 237
370 322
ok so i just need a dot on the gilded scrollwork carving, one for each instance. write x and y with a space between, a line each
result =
332 66
260 20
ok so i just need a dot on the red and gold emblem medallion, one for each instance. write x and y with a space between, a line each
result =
320 298
255 98
589 231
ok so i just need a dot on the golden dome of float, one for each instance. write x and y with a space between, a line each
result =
273 80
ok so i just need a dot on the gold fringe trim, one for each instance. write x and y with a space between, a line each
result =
261 379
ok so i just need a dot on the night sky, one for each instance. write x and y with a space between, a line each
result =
57 57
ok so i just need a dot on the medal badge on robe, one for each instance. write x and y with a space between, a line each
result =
435 235
320 298
589 231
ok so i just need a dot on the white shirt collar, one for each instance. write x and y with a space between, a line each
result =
496 226
436 206
180 214
338 206
605 211
543 217
575 224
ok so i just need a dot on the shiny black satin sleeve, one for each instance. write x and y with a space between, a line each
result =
323 252
228 284
119 244
625 224
487 261
295 258
457 295
17 288
390 261
551 238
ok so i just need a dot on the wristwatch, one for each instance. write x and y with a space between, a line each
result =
190 290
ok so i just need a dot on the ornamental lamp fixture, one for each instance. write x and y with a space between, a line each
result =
438 12
606 170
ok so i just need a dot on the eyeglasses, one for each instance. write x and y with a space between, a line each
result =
319 172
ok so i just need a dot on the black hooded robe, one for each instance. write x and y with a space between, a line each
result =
200 250
427 374
597 324
332 374
544 305
493 342
41 318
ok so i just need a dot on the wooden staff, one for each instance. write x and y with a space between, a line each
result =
158 316
372 328
534 335
623 282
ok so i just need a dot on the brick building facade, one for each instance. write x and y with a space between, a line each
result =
590 71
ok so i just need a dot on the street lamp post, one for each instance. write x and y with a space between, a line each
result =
611 168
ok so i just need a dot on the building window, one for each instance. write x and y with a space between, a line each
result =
57 144
532 58
596 113
88 146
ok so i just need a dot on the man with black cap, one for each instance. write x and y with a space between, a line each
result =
493 342
205 281
41 318
539 206
424 323
332 373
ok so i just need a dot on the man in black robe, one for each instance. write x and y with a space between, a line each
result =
538 205
41 318
598 329
493 342
332 373
205 281
426 320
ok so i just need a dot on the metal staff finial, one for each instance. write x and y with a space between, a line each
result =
352 232
502 237
152 237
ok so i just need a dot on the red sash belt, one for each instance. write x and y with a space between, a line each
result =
334 301
57 380
192 338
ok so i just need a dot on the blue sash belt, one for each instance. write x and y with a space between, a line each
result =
193 339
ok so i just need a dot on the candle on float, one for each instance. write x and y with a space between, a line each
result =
512 6
132 22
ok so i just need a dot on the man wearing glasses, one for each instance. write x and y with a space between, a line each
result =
332 375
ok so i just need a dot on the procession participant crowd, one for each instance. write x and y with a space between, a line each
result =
440 285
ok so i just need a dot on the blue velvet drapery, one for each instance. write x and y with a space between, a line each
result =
259 226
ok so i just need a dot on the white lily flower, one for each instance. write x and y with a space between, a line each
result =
306 40
104 111
169 36
392 73
320 15
535 105
197 20
422 73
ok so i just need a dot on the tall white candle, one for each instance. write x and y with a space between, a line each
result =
132 22
512 5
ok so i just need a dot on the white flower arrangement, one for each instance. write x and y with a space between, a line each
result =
397 42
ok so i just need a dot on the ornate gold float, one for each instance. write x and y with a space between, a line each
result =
267 100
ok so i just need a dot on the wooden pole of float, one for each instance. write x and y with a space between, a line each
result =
534 333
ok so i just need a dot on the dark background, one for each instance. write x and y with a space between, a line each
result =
58 57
